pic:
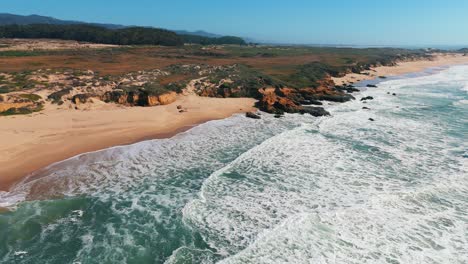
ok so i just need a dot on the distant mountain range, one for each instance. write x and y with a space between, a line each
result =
10 19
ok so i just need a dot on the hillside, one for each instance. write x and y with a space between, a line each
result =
11 19
102 35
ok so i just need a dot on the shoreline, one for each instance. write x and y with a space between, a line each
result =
34 142
402 67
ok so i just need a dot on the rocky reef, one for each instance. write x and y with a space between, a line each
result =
289 100
273 95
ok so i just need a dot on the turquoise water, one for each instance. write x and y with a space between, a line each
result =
338 189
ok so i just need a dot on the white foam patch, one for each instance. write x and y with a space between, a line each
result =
347 190
143 187
338 189
119 169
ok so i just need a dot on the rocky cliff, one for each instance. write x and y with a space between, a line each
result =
138 98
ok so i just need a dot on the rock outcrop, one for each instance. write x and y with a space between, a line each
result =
290 100
80 98
281 100
367 98
252 115
138 98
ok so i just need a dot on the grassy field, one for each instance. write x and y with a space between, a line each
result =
284 63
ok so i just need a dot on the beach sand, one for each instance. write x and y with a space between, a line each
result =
404 67
28 143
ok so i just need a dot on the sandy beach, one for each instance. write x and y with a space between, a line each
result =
31 142
404 67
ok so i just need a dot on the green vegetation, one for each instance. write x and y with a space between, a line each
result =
20 53
4 89
309 75
150 88
122 36
95 34
246 79
22 110
56 97
193 39
31 97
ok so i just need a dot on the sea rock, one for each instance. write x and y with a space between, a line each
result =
347 88
371 86
273 103
252 115
371 119
326 93
366 108
314 111
367 98
310 102
340 98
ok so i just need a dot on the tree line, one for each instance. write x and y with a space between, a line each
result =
101 35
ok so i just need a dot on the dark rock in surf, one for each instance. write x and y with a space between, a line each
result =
348 89
339 98
371 86
366 108
371 119
367 98
252 115
314 111
310 102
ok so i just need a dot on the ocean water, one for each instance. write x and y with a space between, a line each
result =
339 189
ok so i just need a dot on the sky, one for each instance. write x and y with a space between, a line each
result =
346 22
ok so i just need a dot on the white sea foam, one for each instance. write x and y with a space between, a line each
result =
346 190
338 189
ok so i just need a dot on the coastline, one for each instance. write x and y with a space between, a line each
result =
403 67
29 143
33 142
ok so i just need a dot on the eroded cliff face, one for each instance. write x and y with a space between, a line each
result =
139 98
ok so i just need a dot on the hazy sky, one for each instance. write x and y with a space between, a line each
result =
367 22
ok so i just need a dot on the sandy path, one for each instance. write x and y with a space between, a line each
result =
28 143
